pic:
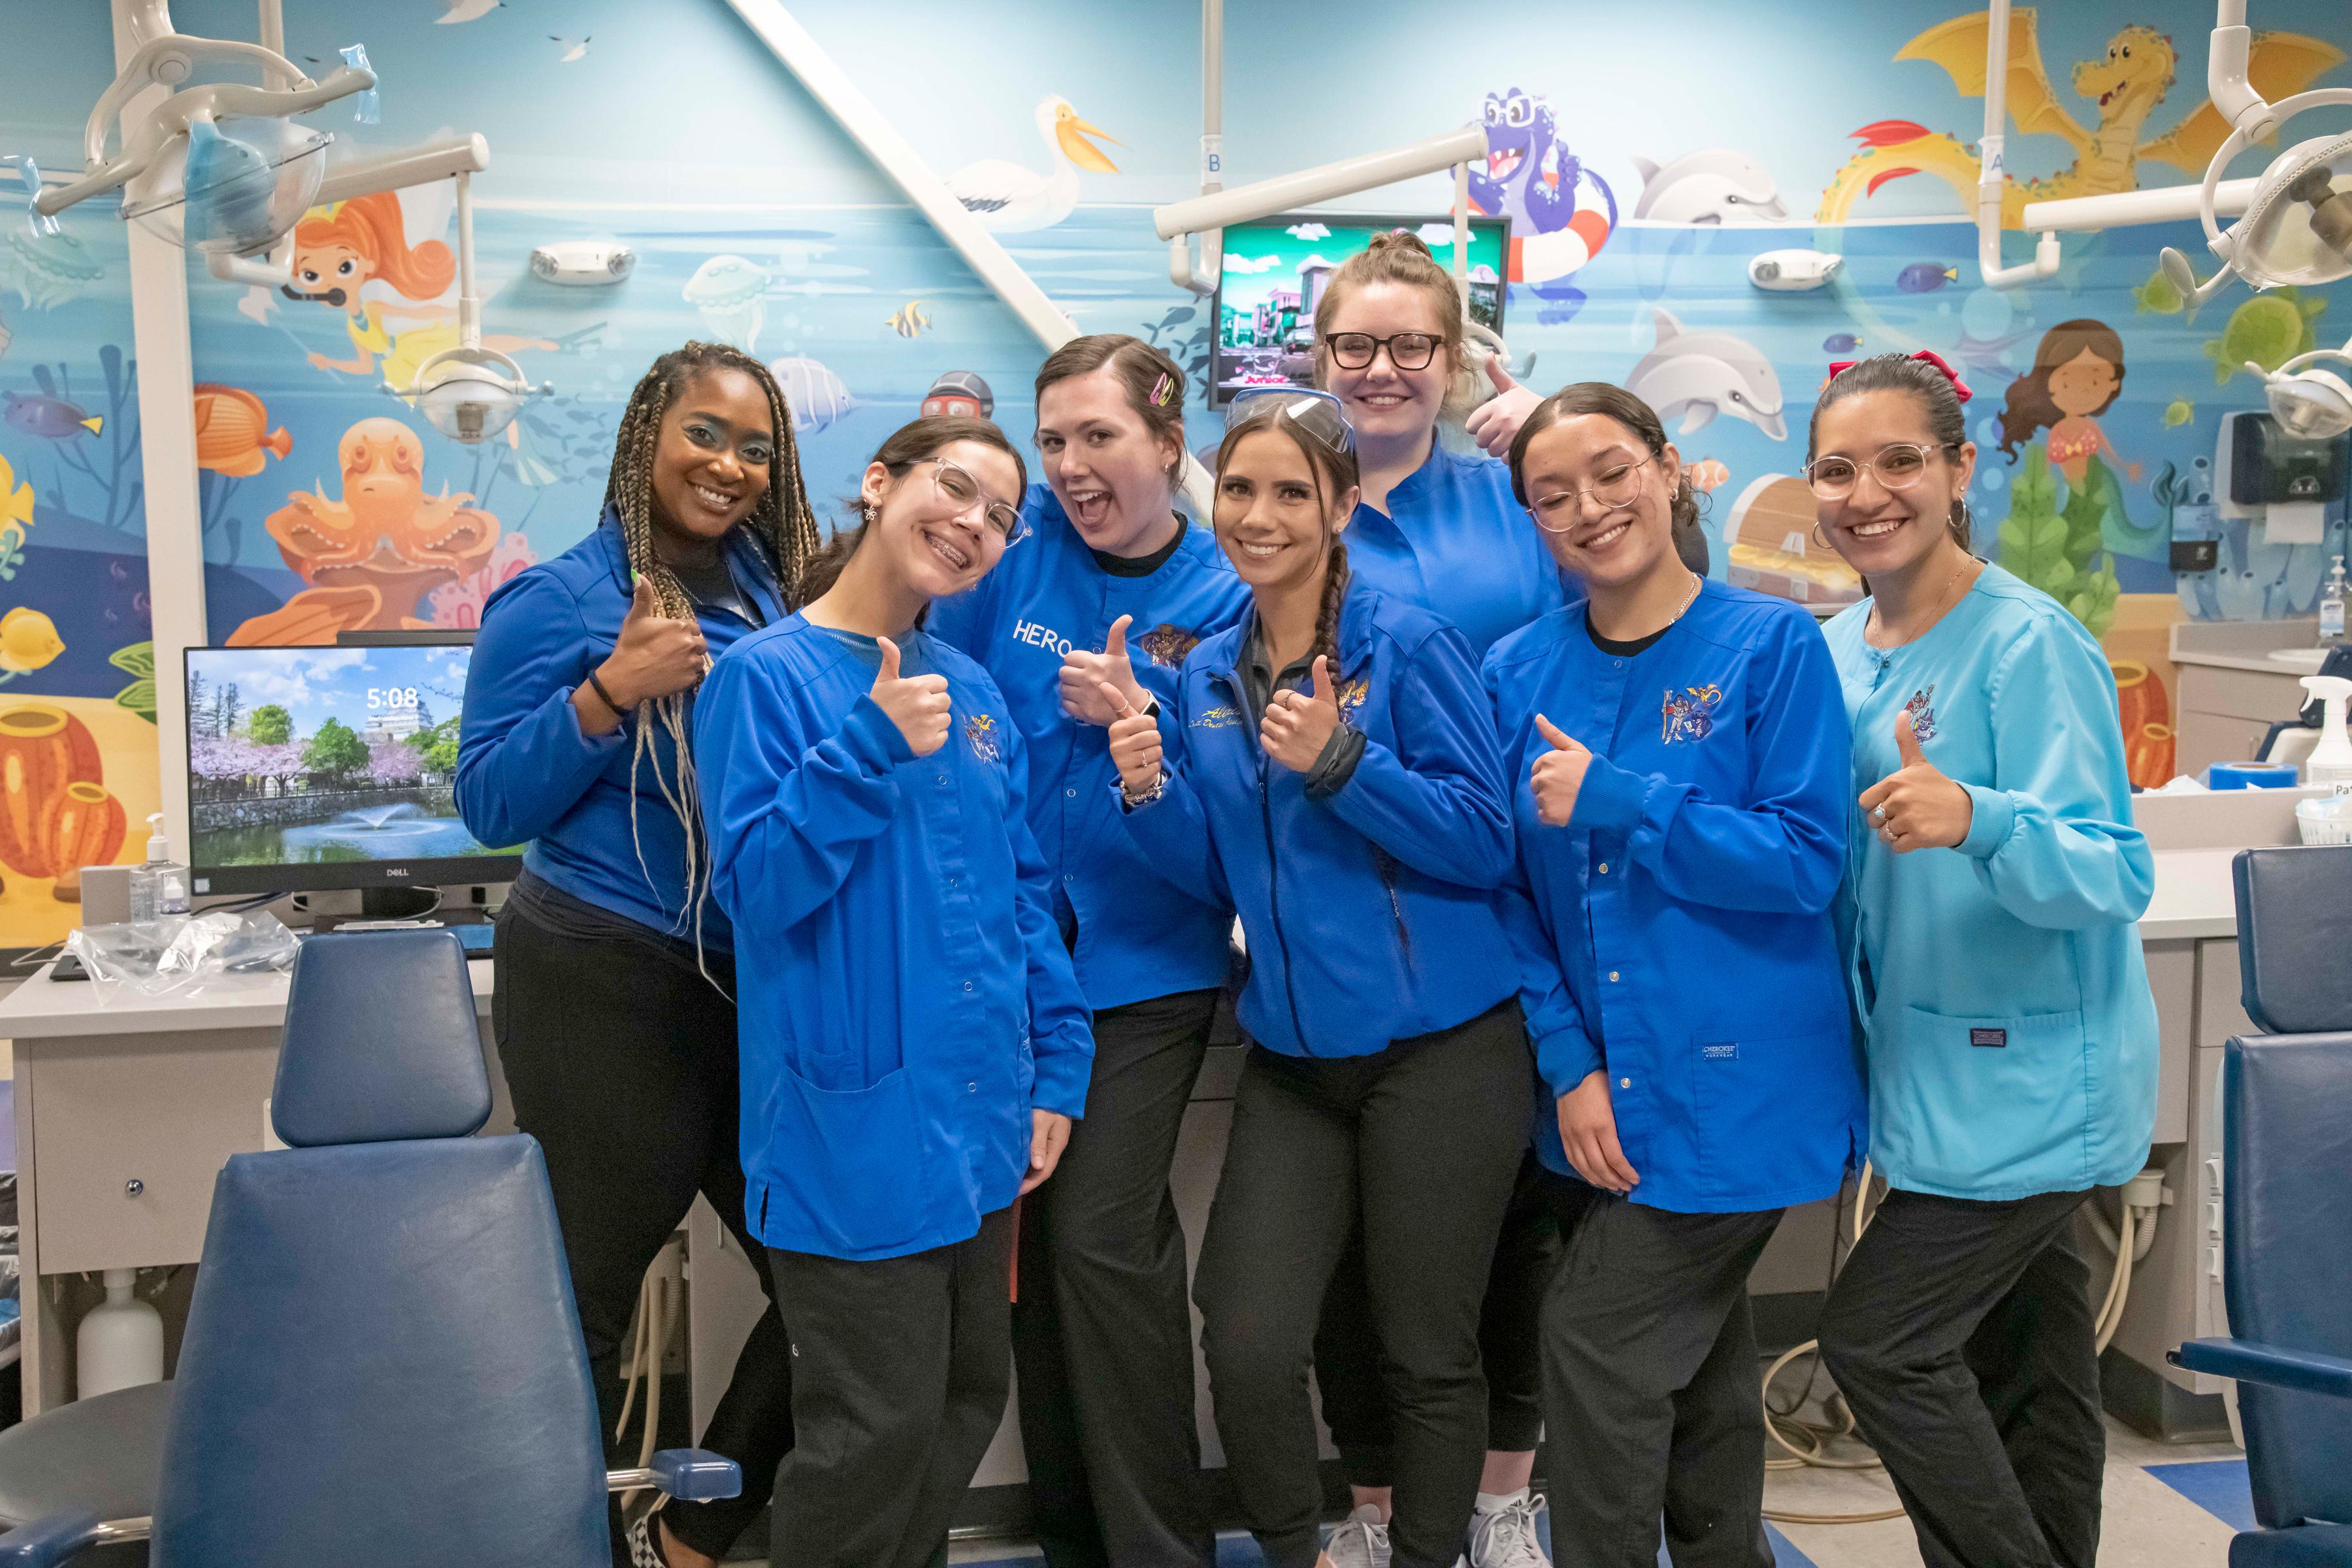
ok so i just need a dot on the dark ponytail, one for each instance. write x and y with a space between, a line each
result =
1601 397
908 446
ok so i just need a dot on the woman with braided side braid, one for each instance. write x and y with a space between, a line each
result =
615 1012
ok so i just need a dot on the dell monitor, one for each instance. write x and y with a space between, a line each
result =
315 768
1276 268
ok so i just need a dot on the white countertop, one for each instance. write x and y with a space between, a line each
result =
42 1008
2194 896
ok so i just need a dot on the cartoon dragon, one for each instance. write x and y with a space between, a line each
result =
1561 212
2128 84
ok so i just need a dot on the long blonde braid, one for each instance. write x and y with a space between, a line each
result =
784 533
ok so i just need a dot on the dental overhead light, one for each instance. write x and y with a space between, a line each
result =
221 167
469 393
2297 229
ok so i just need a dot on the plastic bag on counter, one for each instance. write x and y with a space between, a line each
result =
184 956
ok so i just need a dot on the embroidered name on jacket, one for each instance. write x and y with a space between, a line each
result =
1223 716
1689 714
1167 644
979 732
1923 714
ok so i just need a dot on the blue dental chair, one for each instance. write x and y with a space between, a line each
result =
2286 1097
383 1365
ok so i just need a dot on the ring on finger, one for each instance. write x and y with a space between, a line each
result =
1878 813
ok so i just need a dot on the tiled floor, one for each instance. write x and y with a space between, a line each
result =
2168 1506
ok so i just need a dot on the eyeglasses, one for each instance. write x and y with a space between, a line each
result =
1407 351
1898 467
1557 512
962 491
1319 414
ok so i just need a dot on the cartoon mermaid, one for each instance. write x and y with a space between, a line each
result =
2077 374
339 249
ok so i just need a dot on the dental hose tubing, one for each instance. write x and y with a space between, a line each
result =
1808 1442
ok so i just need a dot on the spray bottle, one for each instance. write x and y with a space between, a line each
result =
159 889
2331 606
2330 760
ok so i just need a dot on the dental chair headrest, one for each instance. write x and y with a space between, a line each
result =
381 1042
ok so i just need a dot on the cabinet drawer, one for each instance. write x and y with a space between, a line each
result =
163 1110
2241 693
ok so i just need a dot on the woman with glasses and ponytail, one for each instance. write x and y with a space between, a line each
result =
1115 586
1995 880
614 1016
915 1045
1326 768
1436 526
1678 754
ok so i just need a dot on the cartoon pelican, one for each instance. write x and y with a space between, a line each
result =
1010 199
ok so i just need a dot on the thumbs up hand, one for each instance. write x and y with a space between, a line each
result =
1557 774
1298 726
1134 745
1083 675
917 704
1495 423
655 655
1917 806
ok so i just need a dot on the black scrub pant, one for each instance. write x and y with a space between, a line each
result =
1348 1351
901 1367
1102 1334
1650 1392
1962 1335
620 1061
1419 1144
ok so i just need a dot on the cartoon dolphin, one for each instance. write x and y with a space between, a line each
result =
1701 374
1717 185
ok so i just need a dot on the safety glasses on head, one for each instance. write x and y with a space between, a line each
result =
959 489
1317 413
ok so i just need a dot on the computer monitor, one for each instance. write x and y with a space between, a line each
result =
313 768
1275 273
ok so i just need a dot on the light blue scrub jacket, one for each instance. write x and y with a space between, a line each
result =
2012 1036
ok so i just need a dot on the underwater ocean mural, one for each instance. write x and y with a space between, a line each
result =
1638 194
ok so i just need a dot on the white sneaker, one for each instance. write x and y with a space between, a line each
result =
1360 1541
1507 1538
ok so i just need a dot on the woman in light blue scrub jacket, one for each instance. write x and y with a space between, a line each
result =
1994 880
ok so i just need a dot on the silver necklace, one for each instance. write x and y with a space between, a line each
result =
1878 614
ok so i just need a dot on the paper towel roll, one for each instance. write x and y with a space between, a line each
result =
2295 522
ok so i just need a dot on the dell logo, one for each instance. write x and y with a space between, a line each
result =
395 870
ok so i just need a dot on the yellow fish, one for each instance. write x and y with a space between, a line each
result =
2179 411
16 503
908 320
28 639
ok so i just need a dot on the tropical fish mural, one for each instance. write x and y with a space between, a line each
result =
818 398
2127 86
1010 198
910 320
230 431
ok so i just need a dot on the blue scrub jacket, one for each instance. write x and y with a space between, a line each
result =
1369 913
1676 932
525 772
1455 541
1139 936
911 1001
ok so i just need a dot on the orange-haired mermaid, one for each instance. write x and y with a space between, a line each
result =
341 248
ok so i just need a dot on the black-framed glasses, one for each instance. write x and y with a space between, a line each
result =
1898 467
1407 351
1559 511
961 491
1319 414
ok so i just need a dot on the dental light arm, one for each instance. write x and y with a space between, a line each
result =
1327 182
1202 279
2235 97
1990 172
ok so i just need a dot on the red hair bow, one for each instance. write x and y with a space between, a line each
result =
1960 387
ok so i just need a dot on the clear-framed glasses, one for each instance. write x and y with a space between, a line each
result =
1897 468
961 491
1559 511
1407 351
1319 414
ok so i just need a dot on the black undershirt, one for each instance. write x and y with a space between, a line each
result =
1141 565
714 587
1621 649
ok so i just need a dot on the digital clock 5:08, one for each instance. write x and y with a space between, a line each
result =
392 696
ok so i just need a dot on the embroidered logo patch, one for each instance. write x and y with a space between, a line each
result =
1689 714
1923 713
1223 716
1997 1039
1167 644
1726 1051
979 733
1351 695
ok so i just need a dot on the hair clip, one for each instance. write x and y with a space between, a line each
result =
1959 388
1159 391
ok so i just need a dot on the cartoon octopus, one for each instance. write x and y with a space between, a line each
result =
371 557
